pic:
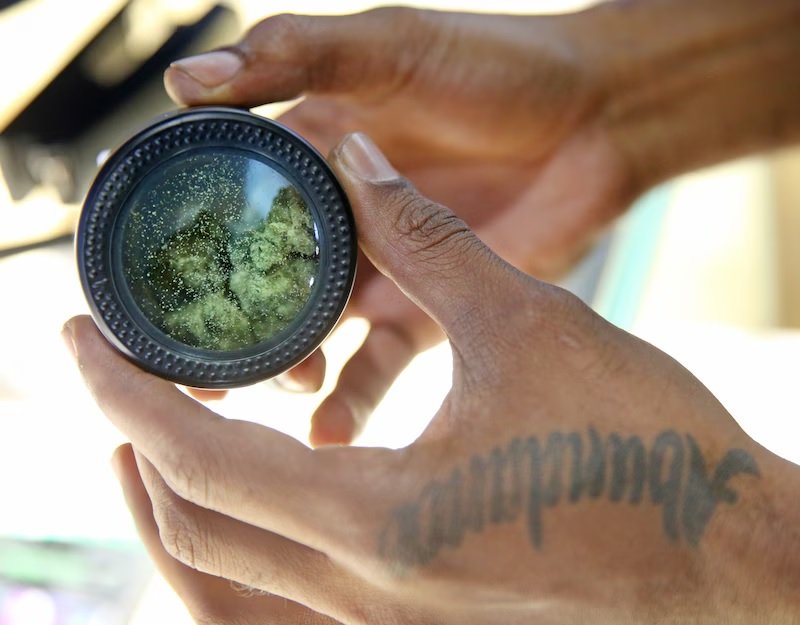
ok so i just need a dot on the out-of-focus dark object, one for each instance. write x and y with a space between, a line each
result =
111 87
4 4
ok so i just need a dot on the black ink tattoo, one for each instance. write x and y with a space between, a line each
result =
526 476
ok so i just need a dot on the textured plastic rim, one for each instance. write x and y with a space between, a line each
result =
185 131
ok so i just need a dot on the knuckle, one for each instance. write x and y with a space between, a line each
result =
394 14
188 477
430 231
546 307
561 304
413 24
280 35
414 34
569 326
183 539
440 584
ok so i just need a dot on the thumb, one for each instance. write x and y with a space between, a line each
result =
285 56
430 253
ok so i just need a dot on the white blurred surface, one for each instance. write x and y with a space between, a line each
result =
712 299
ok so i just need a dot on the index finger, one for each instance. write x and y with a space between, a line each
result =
242 469
285 56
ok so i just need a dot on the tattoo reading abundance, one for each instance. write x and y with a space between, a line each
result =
527 476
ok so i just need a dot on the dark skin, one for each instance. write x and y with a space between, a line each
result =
430 98
588 123
354 535
350 535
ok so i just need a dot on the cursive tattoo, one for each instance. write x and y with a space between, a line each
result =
527 476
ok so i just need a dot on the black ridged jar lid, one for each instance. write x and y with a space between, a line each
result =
216 248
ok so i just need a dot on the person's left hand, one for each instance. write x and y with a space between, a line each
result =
503 118
572 470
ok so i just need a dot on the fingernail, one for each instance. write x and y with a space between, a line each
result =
211 69
69 340
360 155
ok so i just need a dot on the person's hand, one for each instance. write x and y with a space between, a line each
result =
494 116
573 474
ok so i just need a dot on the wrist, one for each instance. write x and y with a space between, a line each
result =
689 83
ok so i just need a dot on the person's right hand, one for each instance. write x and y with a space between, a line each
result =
573 474
495 116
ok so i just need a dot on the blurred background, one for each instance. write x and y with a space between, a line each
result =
706 268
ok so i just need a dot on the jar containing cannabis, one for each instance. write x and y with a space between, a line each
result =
216 248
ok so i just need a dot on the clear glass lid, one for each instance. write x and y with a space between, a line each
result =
219 249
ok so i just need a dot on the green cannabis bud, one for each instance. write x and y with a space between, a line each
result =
221 290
